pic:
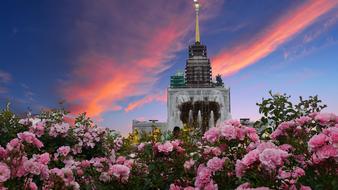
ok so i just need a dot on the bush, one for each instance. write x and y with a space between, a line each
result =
45 152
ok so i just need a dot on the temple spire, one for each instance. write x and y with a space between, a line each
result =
197 30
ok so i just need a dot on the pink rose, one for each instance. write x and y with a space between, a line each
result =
211 186
215 164
250 158
286 147
317 141
228 132
32 167
13 144
64 150
203 176
188 164
32 186
44 158
303 120
325 118
298 172
211 135
3 152
303 187
174 187
166 147
326 152
272 158
283 174
240 168
5 172
120 171
252 134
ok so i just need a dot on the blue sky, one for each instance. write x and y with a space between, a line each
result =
106 56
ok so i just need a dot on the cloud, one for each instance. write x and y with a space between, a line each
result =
230 61
125 48
160 97
5 78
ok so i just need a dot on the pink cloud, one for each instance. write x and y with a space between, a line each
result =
160 97
128 46
244 54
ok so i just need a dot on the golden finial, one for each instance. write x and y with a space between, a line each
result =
197 30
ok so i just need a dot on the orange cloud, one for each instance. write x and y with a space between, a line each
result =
161 97
128 64
232 60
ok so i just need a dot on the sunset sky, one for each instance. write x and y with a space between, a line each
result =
113 58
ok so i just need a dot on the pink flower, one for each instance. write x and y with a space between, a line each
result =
64 150
215 164
32 186
203 176
326 152
228 132
303 187
174 187
317 141
247 186
240 133
332 133
216 151
140 147
166 147
211 186
303 120
325 118
5 172
3 152
283 174
188 164
104 176
30 138
250 158
13 144
31 167
264 145
240 168
211 135
252 134
59 129
38 128
272 158
85 163
286 147
120 160
298 172
44 158
120 171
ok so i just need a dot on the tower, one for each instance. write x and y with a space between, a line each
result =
198 102
198 70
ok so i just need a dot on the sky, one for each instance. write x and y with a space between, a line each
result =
113 58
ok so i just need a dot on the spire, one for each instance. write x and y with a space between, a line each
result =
197 30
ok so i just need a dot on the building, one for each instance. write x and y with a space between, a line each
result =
200 102
193 98
147 126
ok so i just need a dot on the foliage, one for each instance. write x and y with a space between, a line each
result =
278 108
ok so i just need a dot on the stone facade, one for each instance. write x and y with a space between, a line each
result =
180 96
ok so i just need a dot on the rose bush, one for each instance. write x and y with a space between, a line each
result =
46 152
